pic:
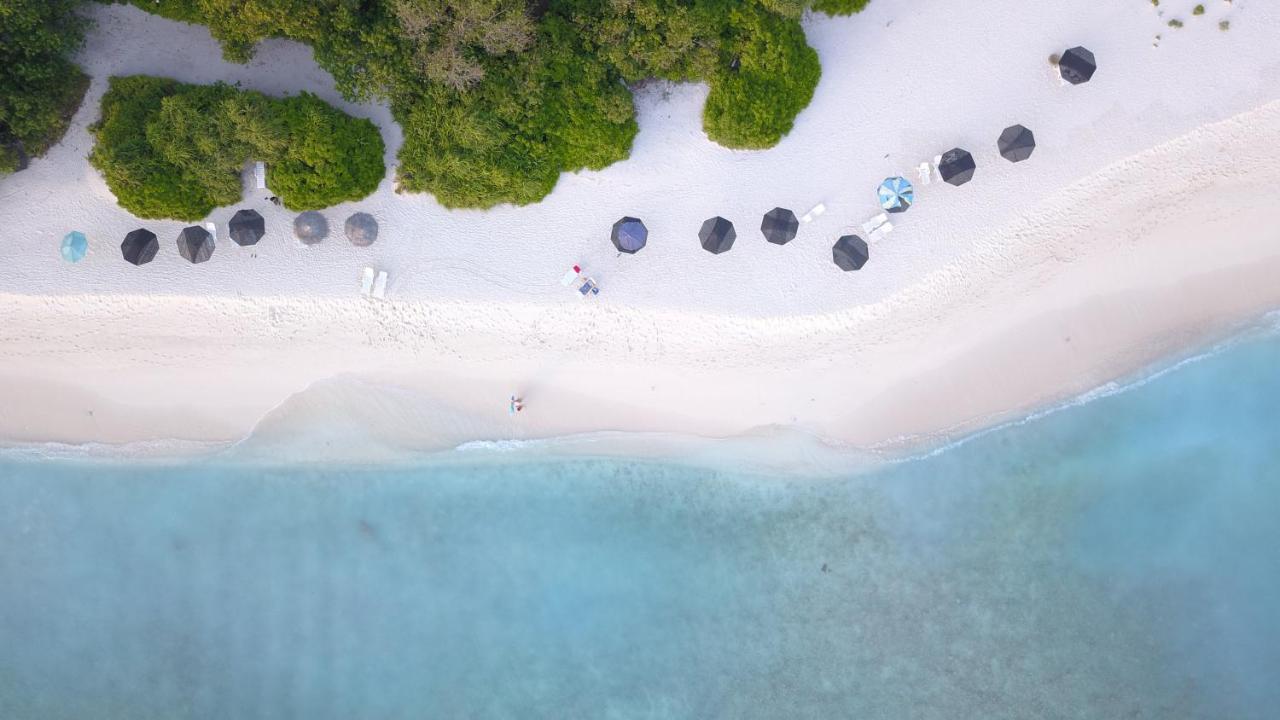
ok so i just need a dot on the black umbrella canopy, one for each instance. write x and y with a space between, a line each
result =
247 227
850 253
717 235
957 166
780 226
361 229
140 246
311 227
1016 143
1077 66
195 244
629 235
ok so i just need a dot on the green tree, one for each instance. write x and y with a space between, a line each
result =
170 150
40 88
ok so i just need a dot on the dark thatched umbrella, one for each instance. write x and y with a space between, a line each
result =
140 246
1077 66
957 166
195 244
780 226
361 229
311 227
850 253
629 235
247 227
1016 143
717 235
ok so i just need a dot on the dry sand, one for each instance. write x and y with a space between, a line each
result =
1142 227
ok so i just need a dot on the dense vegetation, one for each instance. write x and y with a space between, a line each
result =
498 97
170 150
40 88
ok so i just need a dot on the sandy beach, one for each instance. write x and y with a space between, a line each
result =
1143 228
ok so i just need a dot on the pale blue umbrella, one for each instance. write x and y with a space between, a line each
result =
74 246
896 194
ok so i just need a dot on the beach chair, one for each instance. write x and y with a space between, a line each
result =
871 225
570 276
879 233
588 288
213 231
380 286
366 282
925 170
813 213
260 175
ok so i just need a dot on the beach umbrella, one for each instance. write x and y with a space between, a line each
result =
629 235
74 246
1016 143
311 227
247 227
195 244
850 253
717 235
896 194
780 226
1077 66
140 246
957 166
361 229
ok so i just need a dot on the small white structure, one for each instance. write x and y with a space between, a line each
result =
925 170
869 227
570 276
366 282
879 233
380 286
213 231
260 175
815 212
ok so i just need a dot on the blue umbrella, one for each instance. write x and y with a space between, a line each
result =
896 194
74 246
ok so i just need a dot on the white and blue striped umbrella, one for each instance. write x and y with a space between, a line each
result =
896 194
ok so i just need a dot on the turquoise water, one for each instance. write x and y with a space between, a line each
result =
1116 559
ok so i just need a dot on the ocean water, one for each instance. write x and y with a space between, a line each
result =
1117 559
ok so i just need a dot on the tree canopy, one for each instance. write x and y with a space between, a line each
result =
171 150
498 97
40 88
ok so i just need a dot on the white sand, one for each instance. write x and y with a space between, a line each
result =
1144 225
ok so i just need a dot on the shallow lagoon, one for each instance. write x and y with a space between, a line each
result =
1114 559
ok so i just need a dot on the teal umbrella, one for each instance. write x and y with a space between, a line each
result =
74 246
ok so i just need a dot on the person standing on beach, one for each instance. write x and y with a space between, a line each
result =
517 405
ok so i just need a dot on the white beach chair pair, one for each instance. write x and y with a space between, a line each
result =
373 286
260 175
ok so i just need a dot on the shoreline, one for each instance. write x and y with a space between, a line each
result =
752 453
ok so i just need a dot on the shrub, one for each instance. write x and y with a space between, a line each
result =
171 150
498 97
40 88
755 103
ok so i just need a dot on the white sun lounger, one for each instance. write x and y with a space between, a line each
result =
874 223
213 231
815 212
880 232
260 175
925 171
380 286
366 282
